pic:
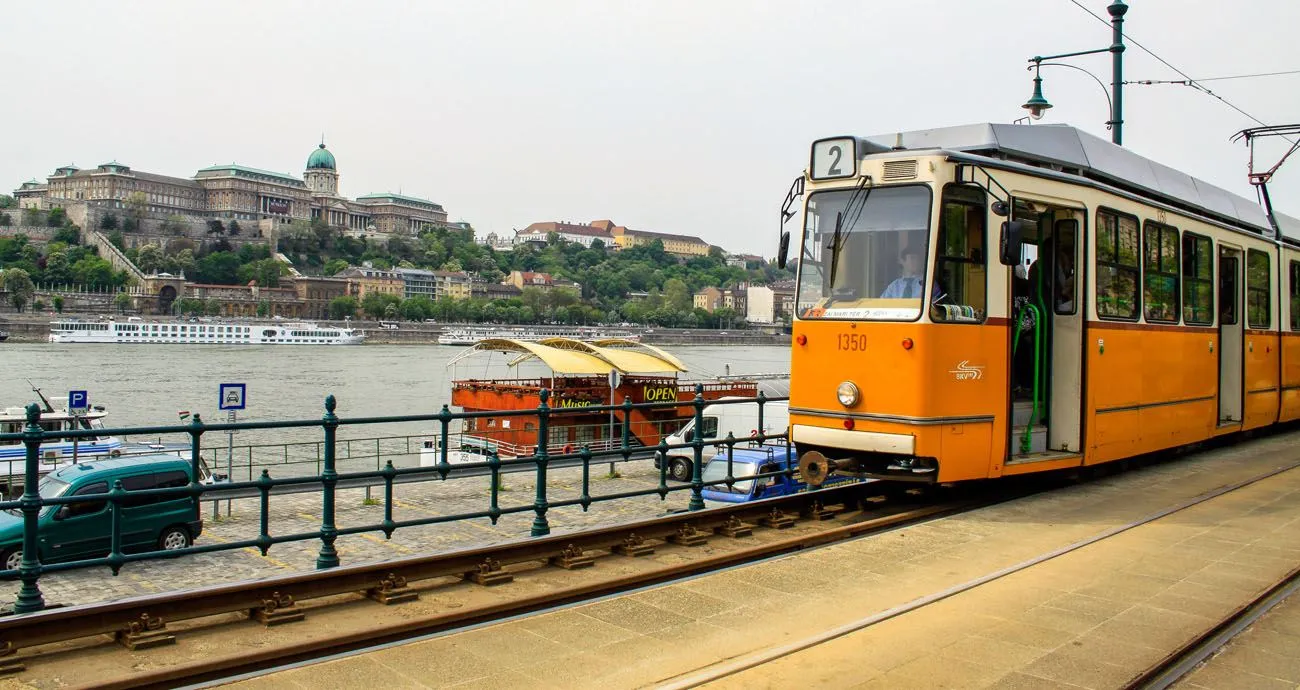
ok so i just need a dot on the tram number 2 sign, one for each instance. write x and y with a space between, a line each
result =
852 342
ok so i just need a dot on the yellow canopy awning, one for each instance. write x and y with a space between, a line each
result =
568 356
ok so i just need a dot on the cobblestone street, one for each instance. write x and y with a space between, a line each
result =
298 513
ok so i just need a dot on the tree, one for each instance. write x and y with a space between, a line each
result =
108 221
67 234
57 217
38 306
116 239
122 302
213 307
334 267
18 283
176 224
57 270
343 306
136 205
677 295
263 308
233 228
218 268
376 303
216 227
390 311
58 303
149 259
7 201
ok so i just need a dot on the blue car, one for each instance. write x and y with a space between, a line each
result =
749 462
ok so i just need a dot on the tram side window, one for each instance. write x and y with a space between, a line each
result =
1160 272
1117 266
960 274
1198 280
1295 295
1258 313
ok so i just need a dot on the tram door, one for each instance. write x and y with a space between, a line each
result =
1230 336
1047 333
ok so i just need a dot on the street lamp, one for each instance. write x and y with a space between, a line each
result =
1037 104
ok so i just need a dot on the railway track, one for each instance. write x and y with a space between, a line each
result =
1185 659
747 533
1161 675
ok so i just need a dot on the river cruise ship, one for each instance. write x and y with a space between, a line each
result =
471 335
136 330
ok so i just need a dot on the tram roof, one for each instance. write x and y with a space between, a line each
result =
568 356
1090 156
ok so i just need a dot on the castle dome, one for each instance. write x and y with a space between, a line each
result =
320 159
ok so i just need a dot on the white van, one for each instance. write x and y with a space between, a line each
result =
738 419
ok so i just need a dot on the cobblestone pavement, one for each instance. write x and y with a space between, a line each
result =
300 513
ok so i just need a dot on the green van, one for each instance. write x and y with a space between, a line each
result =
85 530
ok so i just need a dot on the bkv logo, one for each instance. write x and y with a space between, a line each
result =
966 371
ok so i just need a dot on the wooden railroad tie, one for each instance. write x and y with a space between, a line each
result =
777 520
8 662
734 528
145 633
277 609
572 558
489 573
687 535
818 511
392 590
633 545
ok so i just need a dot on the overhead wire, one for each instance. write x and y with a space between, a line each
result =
1194 83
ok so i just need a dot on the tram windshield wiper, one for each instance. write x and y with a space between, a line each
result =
857 201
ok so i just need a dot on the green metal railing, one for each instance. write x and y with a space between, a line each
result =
32 504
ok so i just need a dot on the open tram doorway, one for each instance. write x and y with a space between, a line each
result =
1231 337
1046 333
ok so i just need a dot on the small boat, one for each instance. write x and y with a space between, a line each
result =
4 335
470 335
582 375
13 454
137 330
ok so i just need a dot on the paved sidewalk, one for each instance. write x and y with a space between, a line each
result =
1091 618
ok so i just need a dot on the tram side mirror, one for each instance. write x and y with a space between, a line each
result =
1009 243
782 249
1000 208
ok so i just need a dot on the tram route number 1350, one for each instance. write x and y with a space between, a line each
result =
852 342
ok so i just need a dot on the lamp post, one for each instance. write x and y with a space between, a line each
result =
1037 104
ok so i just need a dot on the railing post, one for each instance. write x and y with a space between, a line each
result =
328 557
444 420
115 496
697 482
29 596
541 527
762 429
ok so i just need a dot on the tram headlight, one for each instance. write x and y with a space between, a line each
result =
847 393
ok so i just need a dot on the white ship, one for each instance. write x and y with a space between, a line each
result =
137 330
470 335
52 453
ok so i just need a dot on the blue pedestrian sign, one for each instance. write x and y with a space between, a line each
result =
232 396
78 400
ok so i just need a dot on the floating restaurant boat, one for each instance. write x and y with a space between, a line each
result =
470 335
136 330
582 375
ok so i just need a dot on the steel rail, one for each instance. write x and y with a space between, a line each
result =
263 660
1183 660
73 622
728 668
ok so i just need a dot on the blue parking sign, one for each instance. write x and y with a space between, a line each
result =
78 400
232 396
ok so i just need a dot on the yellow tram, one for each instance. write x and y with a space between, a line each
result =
988 300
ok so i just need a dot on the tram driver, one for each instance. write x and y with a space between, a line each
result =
909 284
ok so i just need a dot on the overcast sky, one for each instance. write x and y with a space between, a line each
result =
684 116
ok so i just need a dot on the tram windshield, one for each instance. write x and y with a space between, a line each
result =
864 254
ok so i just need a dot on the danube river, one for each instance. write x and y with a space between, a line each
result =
149 384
